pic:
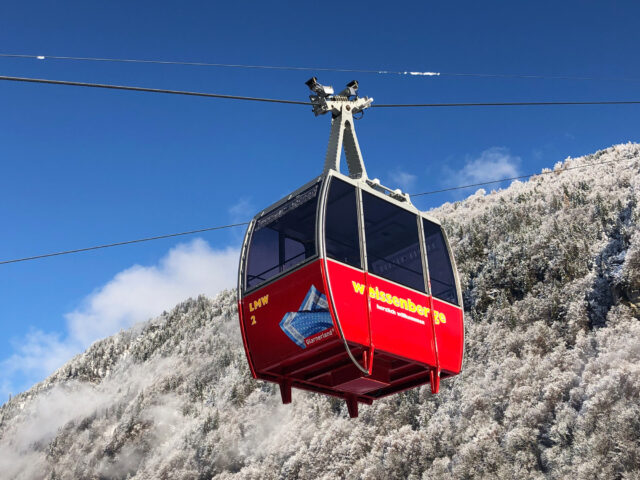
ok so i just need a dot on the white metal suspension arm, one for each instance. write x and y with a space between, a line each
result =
343 133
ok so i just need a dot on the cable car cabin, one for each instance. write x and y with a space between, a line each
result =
346 289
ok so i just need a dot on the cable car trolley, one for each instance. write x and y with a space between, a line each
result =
344 287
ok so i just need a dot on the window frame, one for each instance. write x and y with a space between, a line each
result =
452 260
418 218
246 249
359 219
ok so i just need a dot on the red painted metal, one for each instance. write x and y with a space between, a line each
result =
434 373
244 341
400 321
449 330
415 336
264 309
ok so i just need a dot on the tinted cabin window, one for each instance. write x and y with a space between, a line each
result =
341 225
443 283
393 246
283 238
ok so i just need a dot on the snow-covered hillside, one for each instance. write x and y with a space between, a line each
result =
550 386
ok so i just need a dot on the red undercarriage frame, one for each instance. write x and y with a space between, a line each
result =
329 370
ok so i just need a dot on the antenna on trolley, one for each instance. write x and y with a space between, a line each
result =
342 107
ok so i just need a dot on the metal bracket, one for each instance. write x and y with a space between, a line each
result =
343 134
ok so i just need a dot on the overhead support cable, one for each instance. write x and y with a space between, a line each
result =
407 72
117 244
150 90
295 102
506 104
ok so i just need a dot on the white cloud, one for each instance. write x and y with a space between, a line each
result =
6 389
403 180
39 353
133 295
242 211
537 153
492 164
139 293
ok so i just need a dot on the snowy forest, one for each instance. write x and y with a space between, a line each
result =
550 386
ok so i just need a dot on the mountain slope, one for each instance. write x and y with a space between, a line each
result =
550 386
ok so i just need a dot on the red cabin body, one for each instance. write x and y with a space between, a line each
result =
346 289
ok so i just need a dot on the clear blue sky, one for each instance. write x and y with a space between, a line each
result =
80 167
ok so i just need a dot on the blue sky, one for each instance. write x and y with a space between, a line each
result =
80 167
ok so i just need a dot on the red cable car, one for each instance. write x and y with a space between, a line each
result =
344 287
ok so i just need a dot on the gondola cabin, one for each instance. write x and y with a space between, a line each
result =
344 287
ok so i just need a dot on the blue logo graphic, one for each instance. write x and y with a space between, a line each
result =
312 317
